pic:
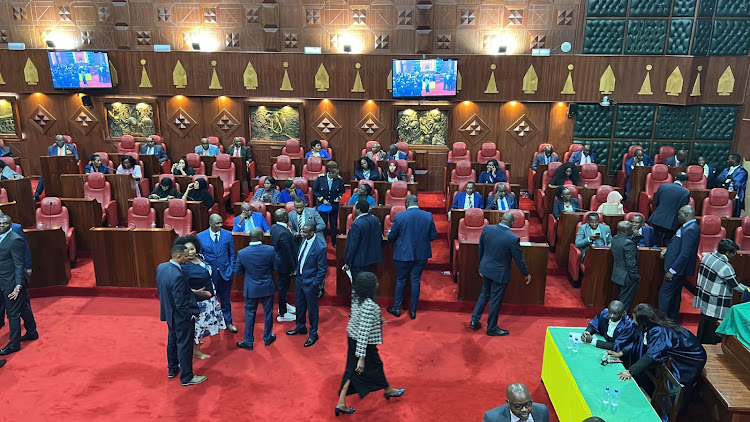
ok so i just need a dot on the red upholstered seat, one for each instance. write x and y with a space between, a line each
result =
488 152
469 229
69 140
2 143
194 162
373 192
463 173
170 176
711 233
177 216
659 176
313 168
600 197
664 152
397 194
98 188
127 144
292 149
628 155
403 165
52 214
3 196
388 222
696 178
501 167
283 169
741 235
166 167
324 145
458 153
494 189
404 147
213 140
215 209
575 266
11 164
225 169
590 175
546 178
571 149
718 203
141 215
552 221
260 207
368 147
302 184
289 207
630 215
521 225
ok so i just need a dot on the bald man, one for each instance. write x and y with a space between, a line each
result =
679 257
218 251
614 324
518 407
625 264
256 263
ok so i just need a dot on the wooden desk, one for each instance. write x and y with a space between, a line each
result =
541 168
241 241
72 187
129 257
84 214
116 159
49 257
198 209
52 168
378 211
19 191
597 288
492 216
151 248
566 234
483 189
385 271
535 255
209 161
151 165
382 188
10 209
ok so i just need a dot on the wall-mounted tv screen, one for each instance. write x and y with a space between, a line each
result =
79 69
424 78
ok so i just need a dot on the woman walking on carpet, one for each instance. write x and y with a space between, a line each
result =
364 369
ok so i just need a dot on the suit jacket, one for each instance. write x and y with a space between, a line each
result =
682 250
176 301
582 237
412 232
314 271
374 175
400 155
502 414
220 256
307 215
711 176
668 200
286 249
539 159
244 152
69 150
27 252
158 152
321 191
576 157
558 206
486 177
647 161
256 263
460 200
497 245
258 221
90 169
623 336
672 162
510 198
12 271
212 150
646 239
739 183
363 244
625 267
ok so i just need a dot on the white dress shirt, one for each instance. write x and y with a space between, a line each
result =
611 326
469 201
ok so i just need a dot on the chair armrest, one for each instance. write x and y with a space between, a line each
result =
251 169
166 167
70 237
112 215
234 191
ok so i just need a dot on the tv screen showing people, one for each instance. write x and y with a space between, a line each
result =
424 78
79 69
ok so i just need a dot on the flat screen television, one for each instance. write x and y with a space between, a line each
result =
424 78
79 69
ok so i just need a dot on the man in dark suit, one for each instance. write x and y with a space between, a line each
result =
625 265
545 157
501 200
364 241
709 170
469 198
412 232
218 250
518 407
26 314
237 150
13 285
256 262
60 149
328 190
679 159
179 309
679 262
585 156
639 159
96 165
151 148
286 262
614 324
668 199
302 215
643 235
497 245
734 178
312 267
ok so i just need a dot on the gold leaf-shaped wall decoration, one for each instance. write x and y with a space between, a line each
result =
674 83
646 85
530 81
726 83
389 81
30 73
568 87
459 82
491 84
322 80
145 80
358 81
250 77
696 92
286 85
607 81
179 76
2 81
215 84
113 74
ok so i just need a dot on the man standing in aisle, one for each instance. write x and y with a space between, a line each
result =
312 267
218 251
668 200
497 245
286 262
412 232
679 262
255 262
364 241
625 263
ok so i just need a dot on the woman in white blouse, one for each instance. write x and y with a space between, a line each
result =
130 166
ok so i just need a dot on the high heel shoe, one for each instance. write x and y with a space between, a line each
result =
400 393
339 411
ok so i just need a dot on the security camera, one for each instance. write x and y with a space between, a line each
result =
607 102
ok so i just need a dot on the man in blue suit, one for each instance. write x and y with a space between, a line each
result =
411 233
218 251
286 248
469 198
734 178
679 262
639 159
248 220
545 157
26 315
364 241
59 149
395 154
205 148
179 309
328 190
643 235
312 267
502 200
497 245
256 263
585 156
152 149
668 200
679 159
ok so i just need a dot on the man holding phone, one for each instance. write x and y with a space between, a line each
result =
592 234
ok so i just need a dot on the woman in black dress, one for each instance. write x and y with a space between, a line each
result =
198 191
364 369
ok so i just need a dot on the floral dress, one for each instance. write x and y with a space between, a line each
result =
210 320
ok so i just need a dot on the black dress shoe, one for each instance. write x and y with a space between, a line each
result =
321 293
498 332
475 325
30 336
312 340
2 363
273 338
296 331
172 374
393 311
8 350
412 315
243 345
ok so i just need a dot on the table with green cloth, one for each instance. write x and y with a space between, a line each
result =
576 382
737 323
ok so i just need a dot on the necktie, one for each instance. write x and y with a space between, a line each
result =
330 182
302 257
216 238
249 225
60 151
299 222
236 152
502 204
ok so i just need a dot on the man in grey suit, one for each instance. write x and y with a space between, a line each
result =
256 263
545 157
592 234
518 406
625 268
302 215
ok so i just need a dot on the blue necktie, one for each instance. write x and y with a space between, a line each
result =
301 256
330 182
502 204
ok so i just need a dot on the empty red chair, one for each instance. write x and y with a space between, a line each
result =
546 178
283 169
98 188
521 226
225 169
313 168
659 176
302 184
11 164
552 221
488 152
195 163
52 214
3 196
127 144
590 175
575 266
621 176
469 229
459 153
397 194
711 233
324 145
2 143
177 216
106 161
373 192
664 152
463 173
741 235
600 197
404 147
292 149
696 178
213 140
368 147
403 165
141 215
571 149
718 203
388 222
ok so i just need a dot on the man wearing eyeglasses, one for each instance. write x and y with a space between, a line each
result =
518 407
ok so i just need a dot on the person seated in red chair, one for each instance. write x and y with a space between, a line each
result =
205 148
165 190
95 165
564 202
59 149
643 235
180 168
584 156
501 200
366 170
290 193
268 194
376 154
249 219
592 234
198 191
130 166
545 157
566 174
363 194
151 148
493 174
394 173
469 198
395 154
679 159
6 173
316 150
237 150
639 159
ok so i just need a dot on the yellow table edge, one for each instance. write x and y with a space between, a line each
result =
568 403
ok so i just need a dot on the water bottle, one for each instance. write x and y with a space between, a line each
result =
606 397
40 225
570 341
445 273
585 184
615 399
153 225
575 344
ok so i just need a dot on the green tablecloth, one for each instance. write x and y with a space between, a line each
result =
570 376
737 323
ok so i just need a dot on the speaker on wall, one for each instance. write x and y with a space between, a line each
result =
87 102
572 110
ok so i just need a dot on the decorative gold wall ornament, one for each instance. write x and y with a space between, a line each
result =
358 81
726 83
568 88
145 81
2 81
491 85
322 80
459 81
250 77
607 81
646 85
30 72
530 81
113 74
696 92
179 76
674 83
389 81
285 84
215 84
